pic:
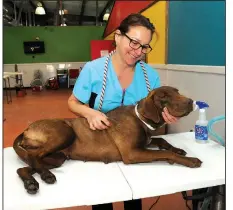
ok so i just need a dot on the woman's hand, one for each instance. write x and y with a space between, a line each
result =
169 119
97 120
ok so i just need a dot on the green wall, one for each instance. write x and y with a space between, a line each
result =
62 44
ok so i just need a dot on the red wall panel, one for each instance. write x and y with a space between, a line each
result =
121 10
98 45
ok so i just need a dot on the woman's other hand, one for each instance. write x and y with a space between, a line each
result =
169 119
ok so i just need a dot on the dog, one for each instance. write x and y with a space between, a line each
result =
48 143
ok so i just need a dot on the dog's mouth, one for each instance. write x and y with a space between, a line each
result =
181 110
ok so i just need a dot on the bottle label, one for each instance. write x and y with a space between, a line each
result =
201 132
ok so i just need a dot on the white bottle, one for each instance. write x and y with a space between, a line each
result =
201 131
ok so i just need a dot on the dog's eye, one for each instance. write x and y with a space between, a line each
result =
164 103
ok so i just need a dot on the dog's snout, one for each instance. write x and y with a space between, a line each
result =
190 101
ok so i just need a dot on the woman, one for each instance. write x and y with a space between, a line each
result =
118 79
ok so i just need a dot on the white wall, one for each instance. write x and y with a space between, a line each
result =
47 69
206 83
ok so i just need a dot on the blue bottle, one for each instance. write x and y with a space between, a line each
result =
201 126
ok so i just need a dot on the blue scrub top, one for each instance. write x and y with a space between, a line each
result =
90 81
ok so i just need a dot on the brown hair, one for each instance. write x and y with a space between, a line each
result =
136 19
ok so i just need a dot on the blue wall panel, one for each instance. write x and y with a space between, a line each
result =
196 33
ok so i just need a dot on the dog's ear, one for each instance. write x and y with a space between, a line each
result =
170 88
157 94
150 109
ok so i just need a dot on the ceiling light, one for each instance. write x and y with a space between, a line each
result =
61 12
106 16
40 10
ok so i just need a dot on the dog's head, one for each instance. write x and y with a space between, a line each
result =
152 106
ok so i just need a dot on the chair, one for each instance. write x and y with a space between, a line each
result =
73 75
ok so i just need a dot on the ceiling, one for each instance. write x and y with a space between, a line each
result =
77 12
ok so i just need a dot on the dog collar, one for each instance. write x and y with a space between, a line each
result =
147 125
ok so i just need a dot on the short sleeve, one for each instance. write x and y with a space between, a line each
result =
156 82
82 87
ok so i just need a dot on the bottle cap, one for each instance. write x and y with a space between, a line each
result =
200 104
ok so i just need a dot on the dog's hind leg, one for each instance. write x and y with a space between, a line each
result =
44 160
50 156
52 161
30 184
41 145
163 144
55 160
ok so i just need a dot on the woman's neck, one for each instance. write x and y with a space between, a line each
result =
124 72
119 64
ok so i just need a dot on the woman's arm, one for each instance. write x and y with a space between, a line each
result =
94 117
77 107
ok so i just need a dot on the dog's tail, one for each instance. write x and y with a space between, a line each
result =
20 151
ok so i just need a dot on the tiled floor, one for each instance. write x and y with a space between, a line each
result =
53 104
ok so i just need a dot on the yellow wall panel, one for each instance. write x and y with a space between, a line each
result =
157 15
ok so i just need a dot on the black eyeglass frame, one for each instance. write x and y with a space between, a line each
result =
140 45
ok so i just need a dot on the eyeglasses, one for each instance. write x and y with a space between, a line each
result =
136 45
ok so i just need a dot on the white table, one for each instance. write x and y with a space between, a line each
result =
20 78
90 183
160 178
6 85
78 184
20 74
12 73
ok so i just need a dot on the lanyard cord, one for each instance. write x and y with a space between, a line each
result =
105 79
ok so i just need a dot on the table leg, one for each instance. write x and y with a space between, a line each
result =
9 86
133 204
21 84
218 199
6 90
107 206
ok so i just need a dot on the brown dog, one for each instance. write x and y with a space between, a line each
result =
46 144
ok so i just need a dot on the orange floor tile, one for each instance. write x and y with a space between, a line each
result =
53 104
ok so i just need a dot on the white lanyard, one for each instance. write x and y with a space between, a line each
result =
105 79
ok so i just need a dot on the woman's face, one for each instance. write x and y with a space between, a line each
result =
138 35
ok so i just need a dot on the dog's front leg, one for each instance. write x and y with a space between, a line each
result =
163 144
144 156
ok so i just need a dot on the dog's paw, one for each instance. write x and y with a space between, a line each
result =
194 163
31 185
48 177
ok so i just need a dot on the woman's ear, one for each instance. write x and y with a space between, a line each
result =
118 32
117 36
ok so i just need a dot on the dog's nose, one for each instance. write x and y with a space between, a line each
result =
190 101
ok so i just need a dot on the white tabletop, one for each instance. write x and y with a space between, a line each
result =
78 184
160 178
6 76
13 73
89 183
